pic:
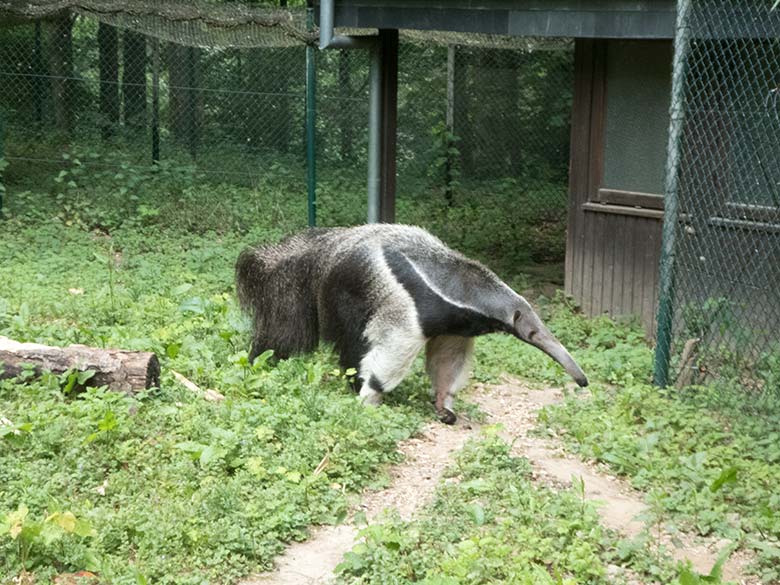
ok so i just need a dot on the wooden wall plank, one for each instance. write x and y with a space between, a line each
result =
620 266
629 273
652 261
578 166
584 171
602 272
586 275
598 111
611 258
616 267
621 233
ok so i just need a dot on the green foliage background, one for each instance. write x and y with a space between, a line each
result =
98 247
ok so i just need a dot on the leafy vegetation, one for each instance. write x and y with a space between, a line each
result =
710 464
99 248
186 491
708 460
708 457
173 489
490 523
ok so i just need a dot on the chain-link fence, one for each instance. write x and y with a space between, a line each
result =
92 93
483 142
489 167
723 241
152 84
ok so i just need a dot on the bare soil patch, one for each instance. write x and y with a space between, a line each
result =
515 406
412 484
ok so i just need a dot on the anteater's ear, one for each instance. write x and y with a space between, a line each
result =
529 327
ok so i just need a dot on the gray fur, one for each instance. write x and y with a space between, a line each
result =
380 293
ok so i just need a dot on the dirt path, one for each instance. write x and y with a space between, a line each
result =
413 483
515 406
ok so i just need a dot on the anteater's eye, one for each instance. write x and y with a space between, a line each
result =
518 314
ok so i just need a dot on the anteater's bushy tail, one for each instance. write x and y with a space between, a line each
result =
277 286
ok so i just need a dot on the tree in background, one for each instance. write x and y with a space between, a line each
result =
184 100
134 78
59 61
345 92
108 58
486 97
268 86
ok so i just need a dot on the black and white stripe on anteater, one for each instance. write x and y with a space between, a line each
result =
380 293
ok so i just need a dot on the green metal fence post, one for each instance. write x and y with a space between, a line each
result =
2 162
671 203
155 100
311 122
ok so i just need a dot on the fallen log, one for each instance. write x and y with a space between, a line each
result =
121 370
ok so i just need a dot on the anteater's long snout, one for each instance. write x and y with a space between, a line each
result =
529 328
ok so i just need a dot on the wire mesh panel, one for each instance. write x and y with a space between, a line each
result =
726 288
101 98
93 96
483 147
342 136
483 142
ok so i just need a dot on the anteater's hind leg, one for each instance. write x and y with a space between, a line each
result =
448 359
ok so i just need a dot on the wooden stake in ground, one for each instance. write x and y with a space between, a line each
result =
125 371
687 363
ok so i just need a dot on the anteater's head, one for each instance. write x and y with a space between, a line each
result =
527 325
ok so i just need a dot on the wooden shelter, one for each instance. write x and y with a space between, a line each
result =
623 65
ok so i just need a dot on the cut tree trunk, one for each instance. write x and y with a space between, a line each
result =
134 78
59 51
108 60
126 371
687 363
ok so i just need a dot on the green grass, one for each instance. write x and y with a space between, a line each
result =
195 491
519 231
173 489
185 491
491 523
708 458
169 488
710 468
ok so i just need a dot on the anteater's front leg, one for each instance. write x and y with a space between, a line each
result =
391 353
448 359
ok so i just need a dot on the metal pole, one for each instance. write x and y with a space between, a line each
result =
155 100
328 40
373 44
388 124
671 202
2 162
450 123
374 133
326 23
311 121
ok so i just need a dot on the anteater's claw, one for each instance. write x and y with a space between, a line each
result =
447 416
